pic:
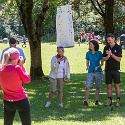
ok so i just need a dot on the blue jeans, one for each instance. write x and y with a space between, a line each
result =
23 107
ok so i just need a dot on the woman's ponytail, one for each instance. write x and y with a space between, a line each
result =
5 59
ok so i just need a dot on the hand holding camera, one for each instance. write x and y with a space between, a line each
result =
20 61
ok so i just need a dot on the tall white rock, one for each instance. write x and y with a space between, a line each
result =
64 26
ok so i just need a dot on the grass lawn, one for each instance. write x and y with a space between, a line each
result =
73 113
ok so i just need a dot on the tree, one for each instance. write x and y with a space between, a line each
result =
33 14
106 9
119 18
32 18
33 33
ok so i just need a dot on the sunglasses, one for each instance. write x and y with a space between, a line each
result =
60 47
110 35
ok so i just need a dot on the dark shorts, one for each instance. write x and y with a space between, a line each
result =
112 76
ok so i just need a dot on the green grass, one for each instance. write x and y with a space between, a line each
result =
73 113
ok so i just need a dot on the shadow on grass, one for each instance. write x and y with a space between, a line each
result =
73 102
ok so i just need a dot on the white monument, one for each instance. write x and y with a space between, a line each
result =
64 26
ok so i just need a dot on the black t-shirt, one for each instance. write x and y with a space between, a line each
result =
112 64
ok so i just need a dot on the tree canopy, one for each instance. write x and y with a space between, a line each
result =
38 17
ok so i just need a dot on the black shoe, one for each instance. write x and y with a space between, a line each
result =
85 103
97 103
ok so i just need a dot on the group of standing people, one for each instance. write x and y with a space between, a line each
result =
112 54
13 74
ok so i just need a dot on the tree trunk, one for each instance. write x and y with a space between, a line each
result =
34 42
108 18
25 8
36 61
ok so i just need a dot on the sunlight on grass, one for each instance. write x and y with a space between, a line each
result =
73 112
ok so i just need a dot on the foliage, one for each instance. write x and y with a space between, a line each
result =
85 16
10 17
100 7
119 18
11 13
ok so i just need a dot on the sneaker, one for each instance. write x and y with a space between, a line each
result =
85 103
118 103
47 104
61 105
109 103
97 103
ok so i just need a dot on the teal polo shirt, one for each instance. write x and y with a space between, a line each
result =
94 60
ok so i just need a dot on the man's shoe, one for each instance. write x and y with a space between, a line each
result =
85 103
109 103
47 104
118 103
97 103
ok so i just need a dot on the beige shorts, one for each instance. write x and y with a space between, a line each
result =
55 82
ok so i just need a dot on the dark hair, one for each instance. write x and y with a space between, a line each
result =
110 35
12 41
60 47
95 43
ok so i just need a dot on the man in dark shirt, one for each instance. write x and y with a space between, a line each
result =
112 54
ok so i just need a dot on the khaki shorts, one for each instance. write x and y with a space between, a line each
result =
54 82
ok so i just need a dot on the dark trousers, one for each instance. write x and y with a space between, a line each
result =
23 108
24 45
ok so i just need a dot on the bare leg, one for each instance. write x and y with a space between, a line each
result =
87 93
60 96
97 94
109 93
50 96
117 88
109 90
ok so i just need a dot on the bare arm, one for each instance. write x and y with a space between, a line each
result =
105 58
110 54
87 64
116 58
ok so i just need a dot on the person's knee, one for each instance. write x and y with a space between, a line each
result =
98 88
60 92
109 86
87 88
52 91
116 86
